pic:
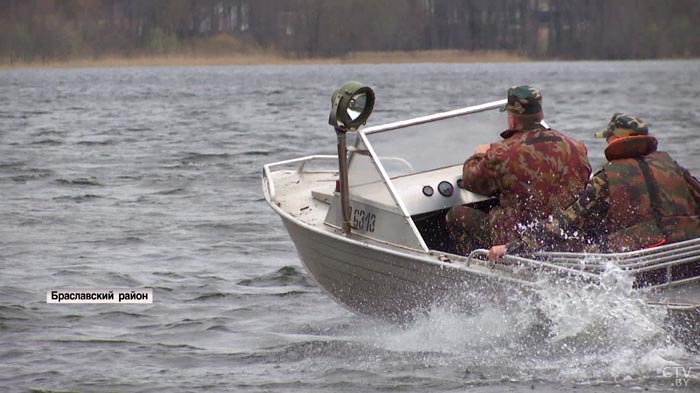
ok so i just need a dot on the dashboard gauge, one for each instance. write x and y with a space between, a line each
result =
428 191
459 183
445 188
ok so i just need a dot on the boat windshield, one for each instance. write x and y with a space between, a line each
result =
415 148
381 207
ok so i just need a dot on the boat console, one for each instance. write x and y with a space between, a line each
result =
429 195
434 190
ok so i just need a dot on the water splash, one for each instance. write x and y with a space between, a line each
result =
603 331
567 332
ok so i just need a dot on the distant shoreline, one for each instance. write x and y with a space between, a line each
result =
263 58
253 58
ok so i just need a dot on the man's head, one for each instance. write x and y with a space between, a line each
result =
523 100
524 106
622 125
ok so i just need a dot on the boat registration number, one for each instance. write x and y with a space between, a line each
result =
363 220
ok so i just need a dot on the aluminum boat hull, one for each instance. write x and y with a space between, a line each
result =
391 283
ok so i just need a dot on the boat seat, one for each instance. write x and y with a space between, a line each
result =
322 195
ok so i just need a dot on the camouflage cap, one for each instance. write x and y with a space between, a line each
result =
623 125
523 100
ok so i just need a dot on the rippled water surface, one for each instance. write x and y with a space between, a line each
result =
150 177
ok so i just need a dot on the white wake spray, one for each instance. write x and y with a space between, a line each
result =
567 331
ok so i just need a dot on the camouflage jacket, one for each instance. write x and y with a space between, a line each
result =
532 172
640 198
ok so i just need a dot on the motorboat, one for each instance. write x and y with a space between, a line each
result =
369 223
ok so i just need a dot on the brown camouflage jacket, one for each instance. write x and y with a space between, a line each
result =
532 172
640 198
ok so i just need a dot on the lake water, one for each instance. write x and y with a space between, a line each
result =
150 177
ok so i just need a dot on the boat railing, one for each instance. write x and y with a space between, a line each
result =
299 167
632 260
663 265
480 255
432 118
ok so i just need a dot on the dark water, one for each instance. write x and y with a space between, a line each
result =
150 177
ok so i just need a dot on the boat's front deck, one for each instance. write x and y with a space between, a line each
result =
303 192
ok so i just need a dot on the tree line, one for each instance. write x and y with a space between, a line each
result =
32 30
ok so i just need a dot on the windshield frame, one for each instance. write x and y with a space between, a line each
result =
362 138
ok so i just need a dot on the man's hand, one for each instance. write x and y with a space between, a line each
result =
481 149
496 252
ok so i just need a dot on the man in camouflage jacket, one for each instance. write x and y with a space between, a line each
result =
532 171
641 198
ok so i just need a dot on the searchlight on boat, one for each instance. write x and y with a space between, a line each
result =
351 106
